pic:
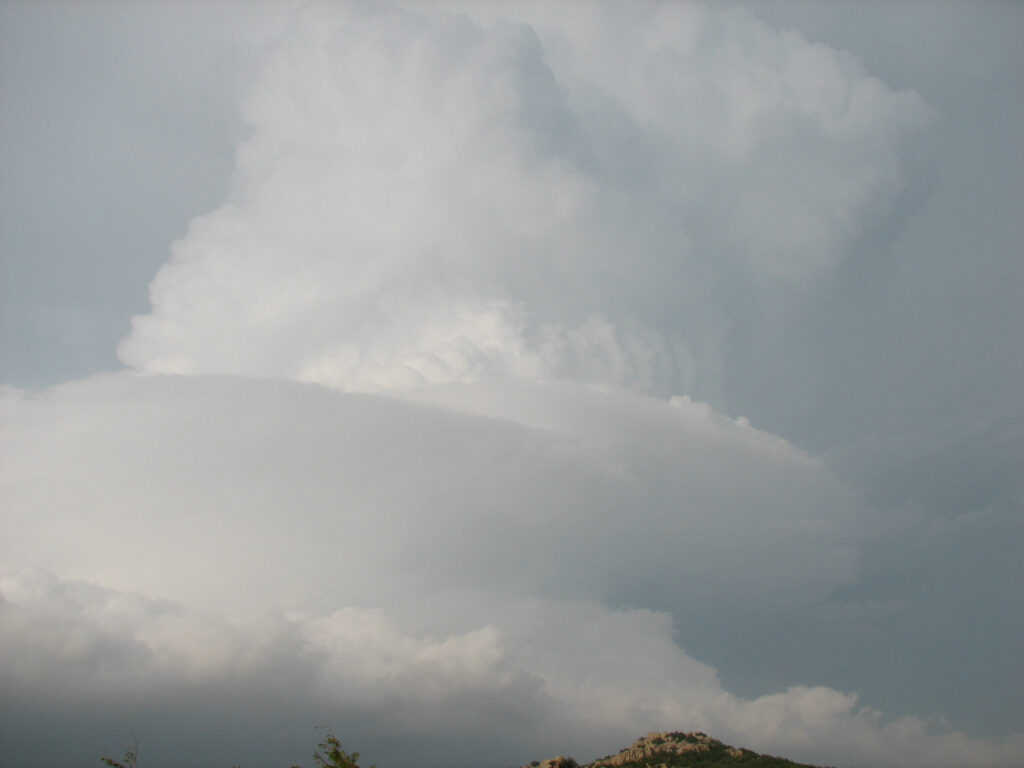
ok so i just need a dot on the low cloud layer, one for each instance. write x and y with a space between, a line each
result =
418 568
544 675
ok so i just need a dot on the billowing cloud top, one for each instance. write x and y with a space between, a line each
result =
426 198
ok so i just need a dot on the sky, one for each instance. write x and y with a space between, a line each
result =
496 381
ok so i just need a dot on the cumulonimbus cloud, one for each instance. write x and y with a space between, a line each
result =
426 198
503 242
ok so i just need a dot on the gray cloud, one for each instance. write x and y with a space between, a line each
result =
442 565
542 238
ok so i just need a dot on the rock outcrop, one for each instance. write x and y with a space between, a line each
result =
554 762
670 749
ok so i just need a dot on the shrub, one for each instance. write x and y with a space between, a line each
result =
329 755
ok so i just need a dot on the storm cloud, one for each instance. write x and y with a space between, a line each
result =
426 200
547 374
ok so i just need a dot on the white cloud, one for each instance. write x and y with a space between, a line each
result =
429 199
507 235
273 487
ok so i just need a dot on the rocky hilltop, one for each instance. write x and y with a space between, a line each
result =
676 748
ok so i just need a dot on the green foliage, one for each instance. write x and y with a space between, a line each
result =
711 754
329 755
333 756
130 759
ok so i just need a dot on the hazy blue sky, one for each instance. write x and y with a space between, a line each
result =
503 380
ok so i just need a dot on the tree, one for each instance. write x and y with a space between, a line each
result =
130 759
331 755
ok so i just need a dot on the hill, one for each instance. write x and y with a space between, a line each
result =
676 748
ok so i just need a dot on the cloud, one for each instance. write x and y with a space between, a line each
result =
426 198
440 466
441 562
590 494
563 674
